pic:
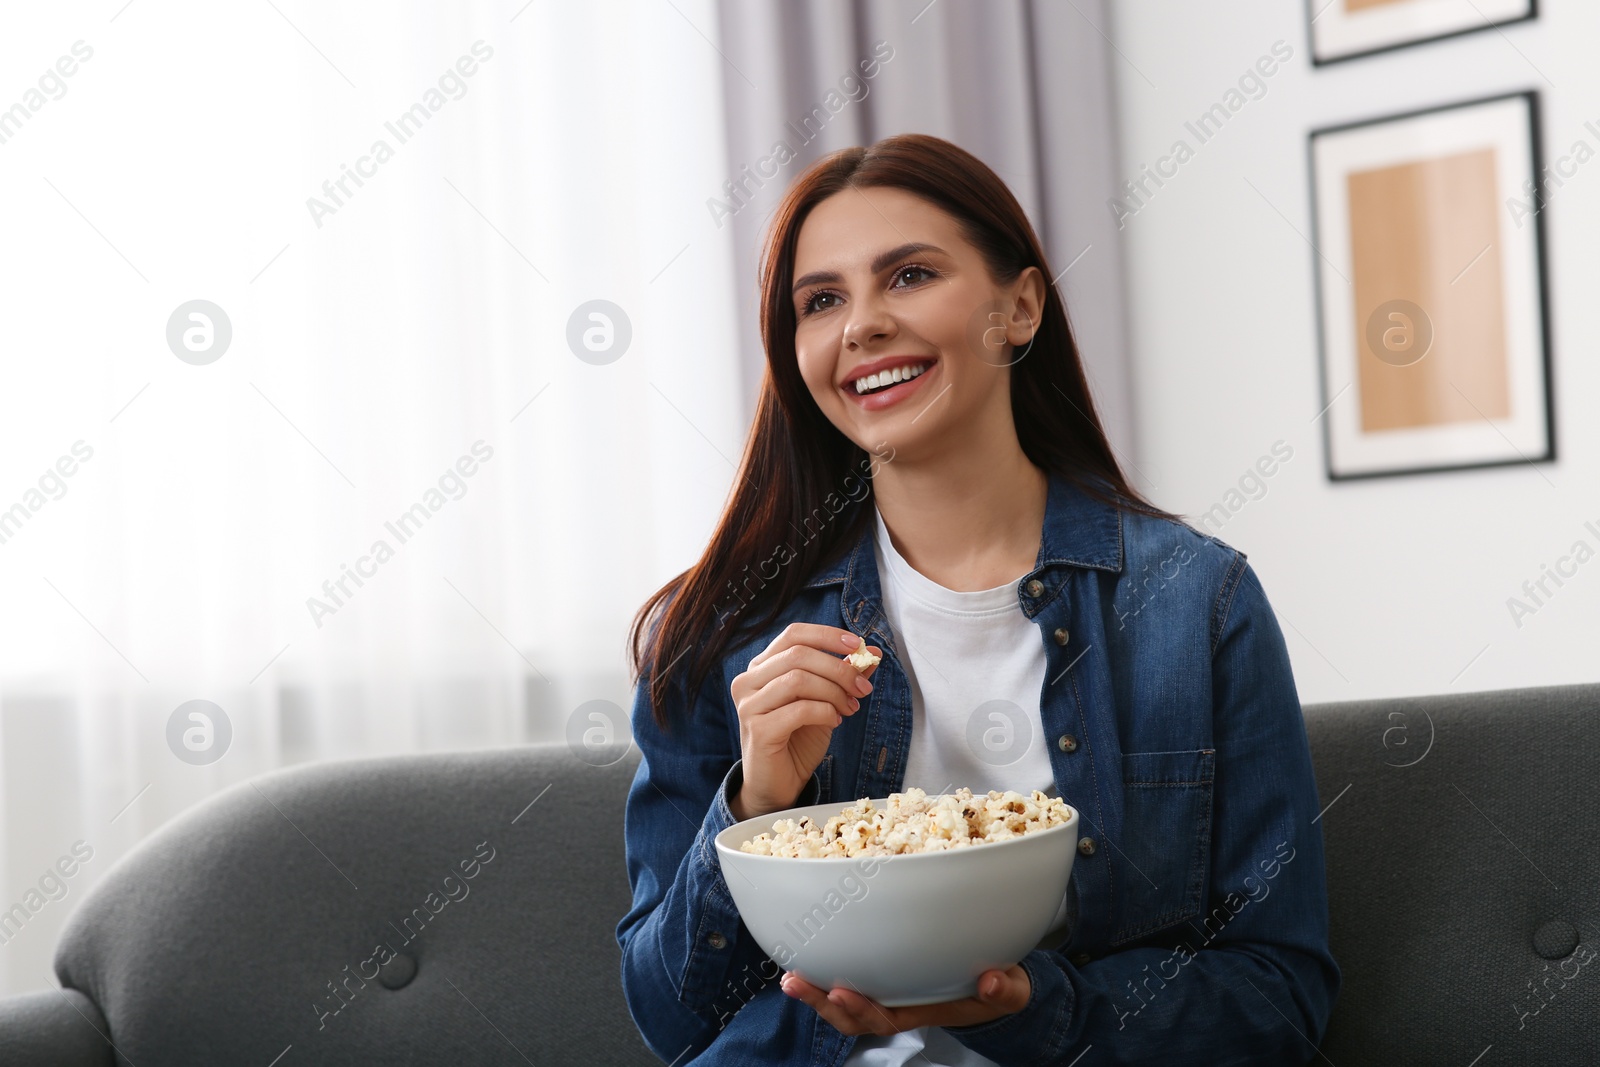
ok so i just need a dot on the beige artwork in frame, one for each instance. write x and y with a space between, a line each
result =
1431 294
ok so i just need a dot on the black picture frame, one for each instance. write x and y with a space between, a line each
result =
1532 101
1315 7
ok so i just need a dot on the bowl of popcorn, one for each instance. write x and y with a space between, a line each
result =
906 899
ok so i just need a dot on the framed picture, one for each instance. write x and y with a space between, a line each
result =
1344 29
1431 298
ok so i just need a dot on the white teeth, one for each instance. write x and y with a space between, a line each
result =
898 374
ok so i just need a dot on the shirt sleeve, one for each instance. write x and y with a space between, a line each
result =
1252 980
683 943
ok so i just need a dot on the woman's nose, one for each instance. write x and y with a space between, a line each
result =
868 322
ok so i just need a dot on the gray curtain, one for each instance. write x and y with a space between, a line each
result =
1024 85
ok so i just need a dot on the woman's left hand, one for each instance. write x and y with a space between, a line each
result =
999 993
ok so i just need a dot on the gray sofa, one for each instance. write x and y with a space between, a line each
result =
1462 883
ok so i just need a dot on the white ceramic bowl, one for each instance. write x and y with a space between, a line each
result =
918 928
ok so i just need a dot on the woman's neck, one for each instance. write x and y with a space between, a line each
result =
969 521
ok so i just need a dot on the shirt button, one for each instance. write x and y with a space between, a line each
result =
1067 743
1081 958
1061 635
717 940
1086 845
1034 588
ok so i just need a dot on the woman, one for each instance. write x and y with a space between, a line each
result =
927 472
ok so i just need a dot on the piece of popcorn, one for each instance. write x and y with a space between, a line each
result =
861 659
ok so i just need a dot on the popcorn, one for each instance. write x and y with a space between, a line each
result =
861 659
911 822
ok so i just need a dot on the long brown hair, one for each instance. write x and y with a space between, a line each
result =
797 466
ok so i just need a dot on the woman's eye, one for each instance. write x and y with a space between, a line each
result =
903 271
811 302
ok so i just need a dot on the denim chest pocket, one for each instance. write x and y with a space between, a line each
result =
1166 839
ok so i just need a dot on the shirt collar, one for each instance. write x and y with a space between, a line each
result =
1079 531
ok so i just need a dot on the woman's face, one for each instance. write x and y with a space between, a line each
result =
885 282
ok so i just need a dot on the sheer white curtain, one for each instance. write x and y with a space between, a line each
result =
409 328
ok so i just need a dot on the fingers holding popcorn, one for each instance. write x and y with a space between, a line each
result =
789 699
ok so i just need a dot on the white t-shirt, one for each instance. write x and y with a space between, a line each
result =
976 665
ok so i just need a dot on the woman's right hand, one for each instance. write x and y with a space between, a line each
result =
789 700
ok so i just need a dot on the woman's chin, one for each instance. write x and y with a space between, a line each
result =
892 439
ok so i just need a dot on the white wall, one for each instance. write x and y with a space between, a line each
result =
1388 586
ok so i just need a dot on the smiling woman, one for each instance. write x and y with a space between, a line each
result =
906 309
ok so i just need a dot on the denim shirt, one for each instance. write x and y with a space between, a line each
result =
1198 901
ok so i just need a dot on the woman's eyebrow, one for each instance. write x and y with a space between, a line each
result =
878 264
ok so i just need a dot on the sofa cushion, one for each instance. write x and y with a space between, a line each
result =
1463 875
439 908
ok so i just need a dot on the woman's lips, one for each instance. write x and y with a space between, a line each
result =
891 396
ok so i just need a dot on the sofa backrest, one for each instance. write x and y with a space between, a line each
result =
483 887
1463 876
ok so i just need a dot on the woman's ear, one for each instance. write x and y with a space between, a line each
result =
1027 314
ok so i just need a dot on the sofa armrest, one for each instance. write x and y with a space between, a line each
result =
53 1028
